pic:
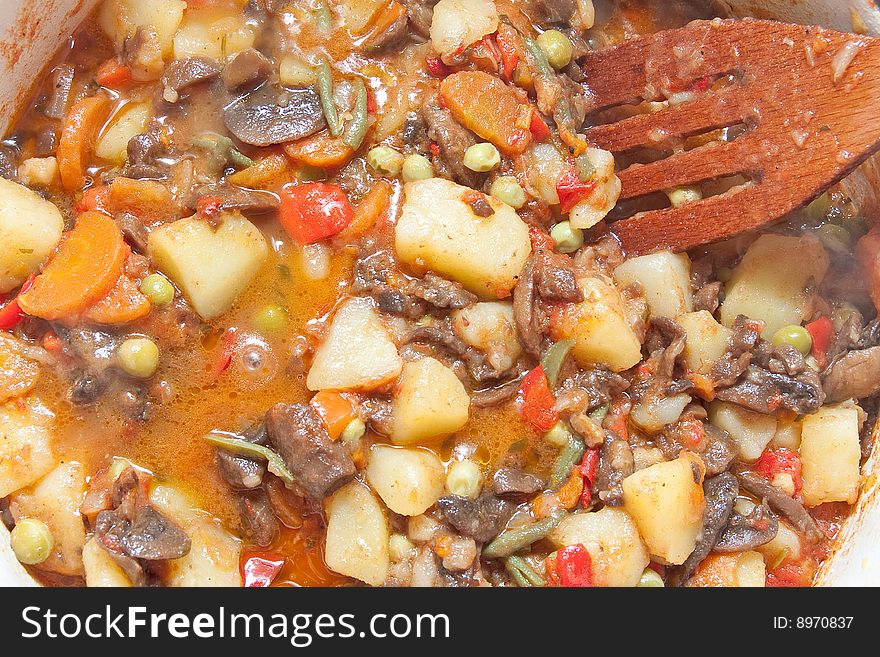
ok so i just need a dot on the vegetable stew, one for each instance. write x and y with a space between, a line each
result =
323 293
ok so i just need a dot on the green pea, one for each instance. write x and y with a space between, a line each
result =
820 207
683 196
158 289
385 160
507 190
568 238
650 579
557 47
482 157
270 319
31 541
138 357
796 336
416 167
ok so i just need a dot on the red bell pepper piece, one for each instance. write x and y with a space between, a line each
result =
821 331
574 567
11 314
691 432
571 189
538 128
587 469
537 402
227 351
780 461
437 68
540 239
509 56
314 211
209 206
259 569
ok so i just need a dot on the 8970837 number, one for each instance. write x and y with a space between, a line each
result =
823 622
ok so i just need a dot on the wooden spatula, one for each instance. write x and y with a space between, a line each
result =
808 96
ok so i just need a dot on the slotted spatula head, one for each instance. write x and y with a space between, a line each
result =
807 96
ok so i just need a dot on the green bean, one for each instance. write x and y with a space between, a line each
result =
513 540
599 414
540 58
523 574
553 360
325 90
323 20
357 128
569 456
275 463
223 148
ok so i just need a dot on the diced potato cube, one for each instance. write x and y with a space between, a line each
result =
39 171
409 481
666 501
357 535
459 23
100 568
55 500
121 18
613 541
706 342
212 33
357 354
751 431
744 569
25 445
788 434
787 542
30 229
772 283
830 455
358 14
213 559
430 402
666 279
599 327
18 373
129 122
593 208
212 266
653 414
489 327
438 230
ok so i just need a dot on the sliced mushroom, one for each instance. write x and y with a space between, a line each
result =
274 115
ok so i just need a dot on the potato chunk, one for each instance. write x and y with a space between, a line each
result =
121 19
55 500
744 569
429 402
706 341
358 353
409 481
751 431
113 143
357 534
830 455
25 445
666 501
489 327
772 283
18 373
100 568
599 327
439 230
459 23
30 229
211 266
613 541
666 280
213 559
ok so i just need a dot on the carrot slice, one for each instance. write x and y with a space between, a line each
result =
320 150
78 139
124 303
85 268
369 210
334 409
262 174
485 105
